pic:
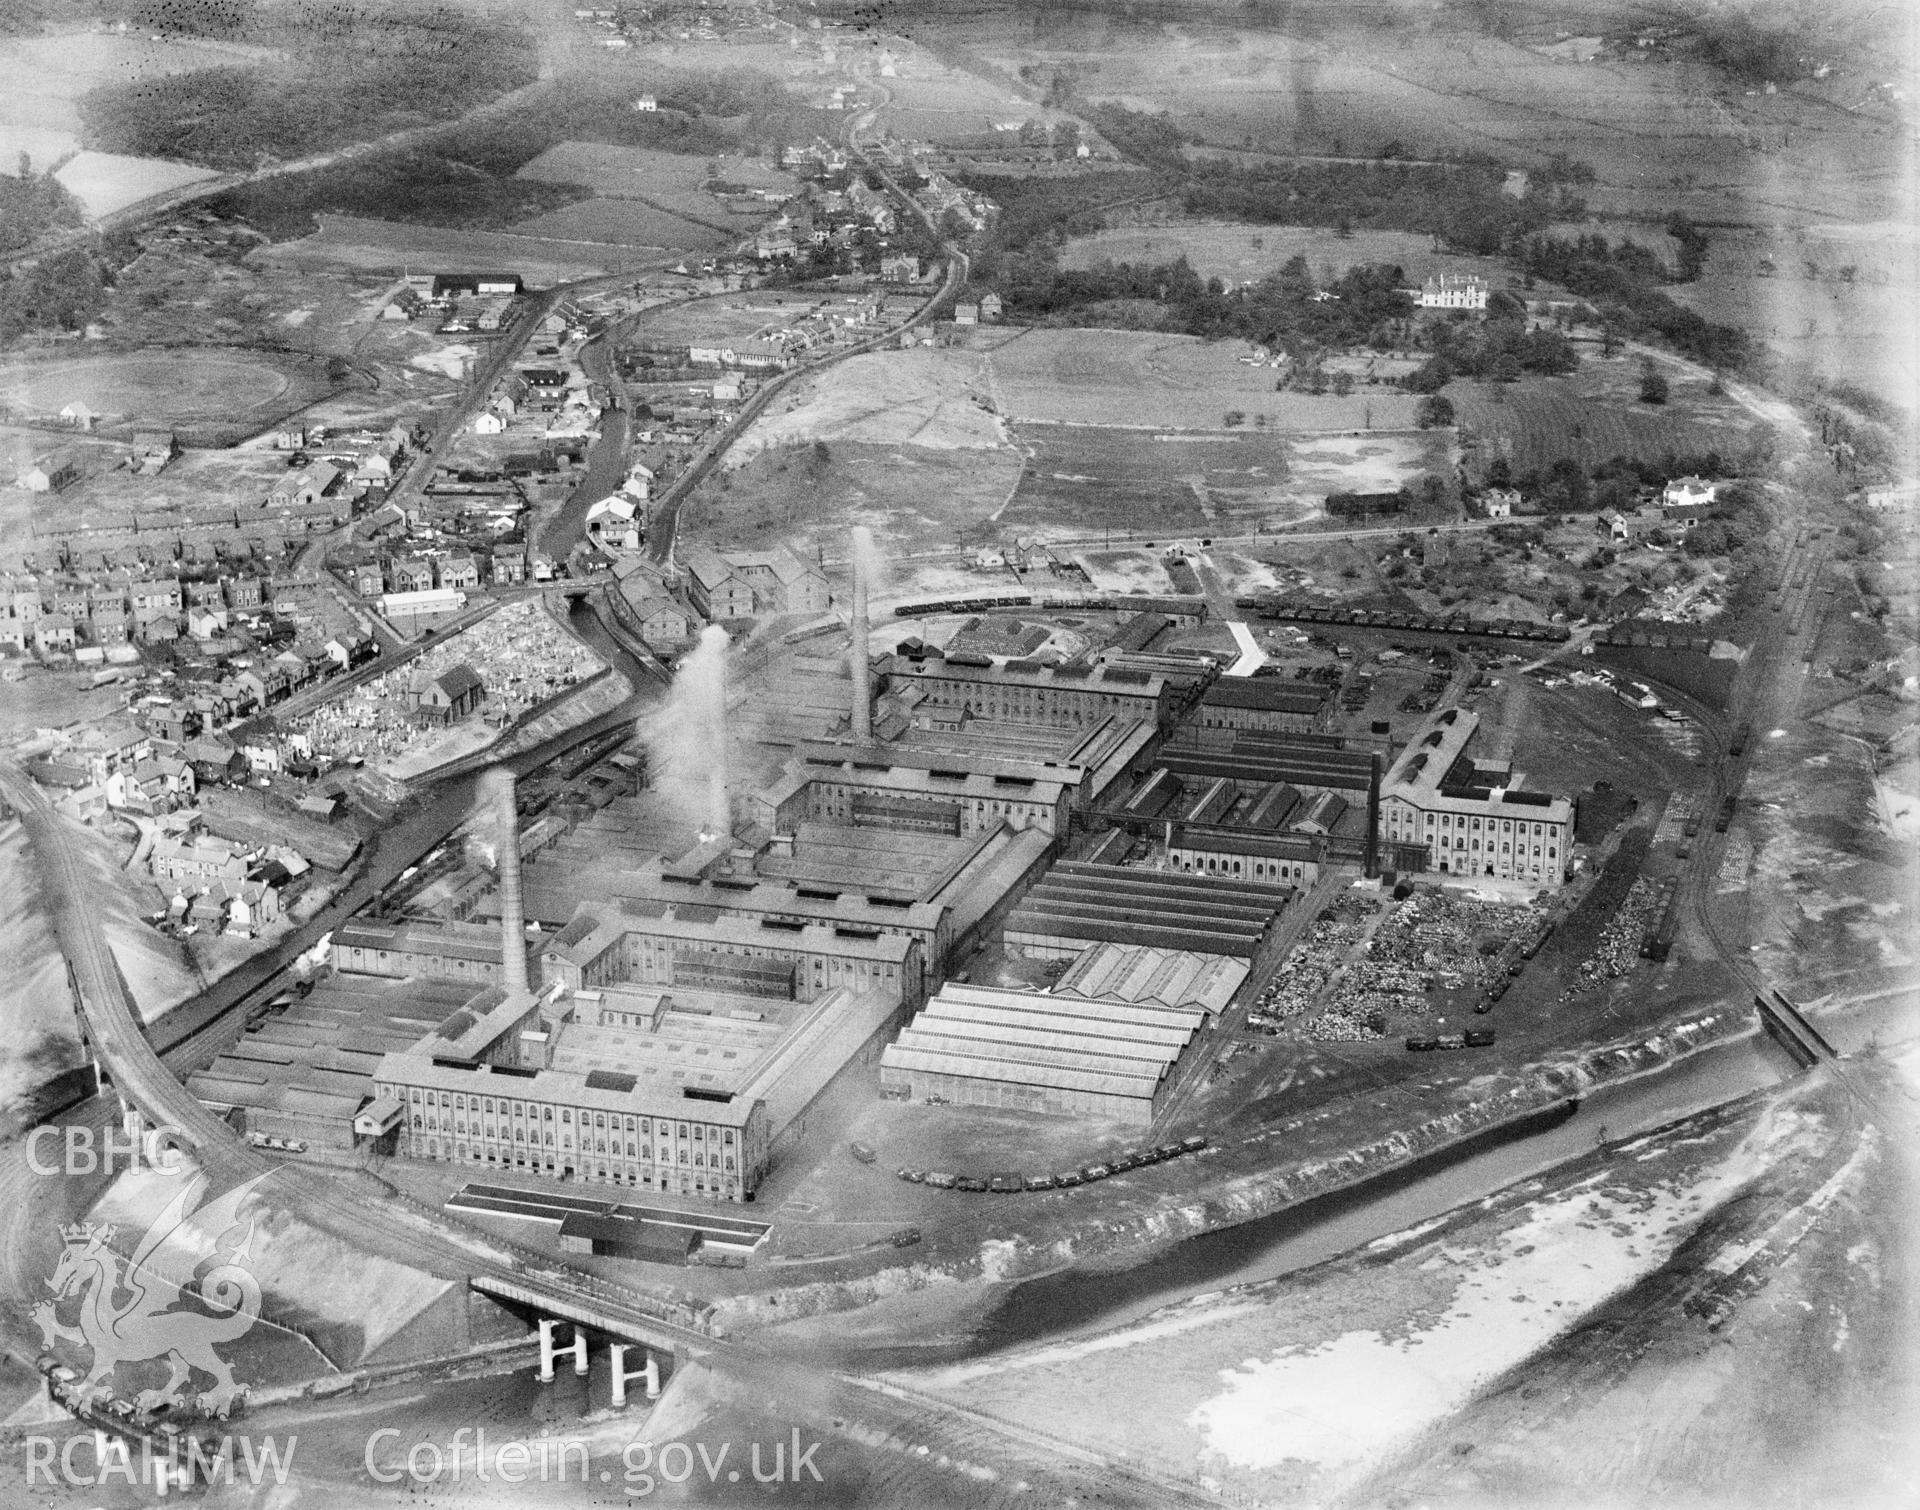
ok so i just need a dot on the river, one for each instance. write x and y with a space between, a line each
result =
1097 1297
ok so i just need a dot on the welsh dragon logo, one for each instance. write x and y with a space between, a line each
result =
123 1315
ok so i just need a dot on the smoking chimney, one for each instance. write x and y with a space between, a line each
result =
1373 815
857 654
513 917
719 808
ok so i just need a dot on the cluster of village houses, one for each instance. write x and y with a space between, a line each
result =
212 884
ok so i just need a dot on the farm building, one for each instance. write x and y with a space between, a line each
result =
49 474
1031 1051
452 285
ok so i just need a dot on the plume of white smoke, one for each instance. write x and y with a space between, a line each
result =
686 738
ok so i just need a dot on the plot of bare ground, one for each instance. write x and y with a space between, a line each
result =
159 971
40 1038
1820 884
913 497
1302 1389
1770 1363
935 398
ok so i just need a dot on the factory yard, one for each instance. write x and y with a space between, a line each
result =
522 658
1360 973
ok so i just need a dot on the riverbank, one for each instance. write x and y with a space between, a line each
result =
933 1304
1302 1390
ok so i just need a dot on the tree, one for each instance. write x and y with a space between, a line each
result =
1653 386
1435 412
1234 418
1342 383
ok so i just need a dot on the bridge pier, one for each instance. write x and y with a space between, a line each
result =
620 1375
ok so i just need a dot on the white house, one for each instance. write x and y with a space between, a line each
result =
614 522
1688 492
1454 291
489 423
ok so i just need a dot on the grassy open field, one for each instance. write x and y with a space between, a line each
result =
1083 480
939 104
737 318
1594 415
348 243
106 181
616 172
1838 302
1247 253
46 77
1142 380
155 385
669 181
620 222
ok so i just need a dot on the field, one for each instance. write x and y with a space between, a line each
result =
1661 135
914 498
39 112
929 398
733 319
934 103
1247 253
1839 302
105 181
669 181
346 242
1084 480
1138 380
175 386
1593 415
620 222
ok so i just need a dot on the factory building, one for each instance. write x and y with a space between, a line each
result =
1473 818
1029 693
1090 762
1310 762
695 947
296 1081
1039 1052
829 787
1080 903
684 1092
418 948
1140 976
1265 703
1285 859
